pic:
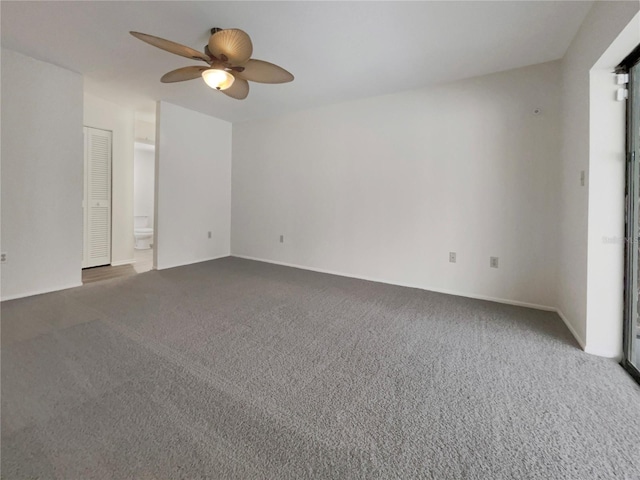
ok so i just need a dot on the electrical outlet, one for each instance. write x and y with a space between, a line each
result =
281 238
493 262
3 258
208 234
452 257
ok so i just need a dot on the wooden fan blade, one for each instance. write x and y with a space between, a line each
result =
239 90
182 74
264 72
232 46
170 46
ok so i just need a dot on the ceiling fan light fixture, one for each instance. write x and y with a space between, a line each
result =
218 79
229 68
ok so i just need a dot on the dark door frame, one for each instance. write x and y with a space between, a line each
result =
631 66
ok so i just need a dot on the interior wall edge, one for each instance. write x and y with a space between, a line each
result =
581 341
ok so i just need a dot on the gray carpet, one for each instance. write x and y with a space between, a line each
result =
240 369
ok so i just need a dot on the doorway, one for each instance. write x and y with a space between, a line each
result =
97 198
144 161
631 336
126 126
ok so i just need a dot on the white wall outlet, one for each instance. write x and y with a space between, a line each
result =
281 238
208 234
493 262
452 257
3 258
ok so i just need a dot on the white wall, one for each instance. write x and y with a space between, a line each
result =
607 162
145 131
193 181
144 165
100 113
590 267
42 168
384 188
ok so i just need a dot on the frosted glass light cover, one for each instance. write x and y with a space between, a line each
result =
218 79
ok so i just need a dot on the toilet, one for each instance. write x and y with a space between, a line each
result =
142 232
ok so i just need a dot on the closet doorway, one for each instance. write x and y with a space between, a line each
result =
97 198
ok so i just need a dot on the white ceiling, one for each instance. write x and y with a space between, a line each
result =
337 51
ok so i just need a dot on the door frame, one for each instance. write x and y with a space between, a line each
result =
631 344
85 206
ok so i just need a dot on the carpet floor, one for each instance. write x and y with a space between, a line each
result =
239 369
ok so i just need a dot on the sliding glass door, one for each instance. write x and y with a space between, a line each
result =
631 339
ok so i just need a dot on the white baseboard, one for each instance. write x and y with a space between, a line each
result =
581 341
123 262
615 355
419 287
40 292
166 267
599 352
506 301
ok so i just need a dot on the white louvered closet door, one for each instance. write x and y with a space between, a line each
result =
97 233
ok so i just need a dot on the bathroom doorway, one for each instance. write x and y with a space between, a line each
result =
144 160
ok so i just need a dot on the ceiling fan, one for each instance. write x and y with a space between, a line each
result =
229 66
